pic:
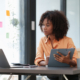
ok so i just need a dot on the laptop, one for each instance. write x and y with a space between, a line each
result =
53 63
4 63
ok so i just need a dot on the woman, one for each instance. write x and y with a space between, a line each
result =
55 26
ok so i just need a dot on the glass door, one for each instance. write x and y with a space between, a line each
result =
73 15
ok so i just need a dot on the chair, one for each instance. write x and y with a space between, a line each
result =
78 51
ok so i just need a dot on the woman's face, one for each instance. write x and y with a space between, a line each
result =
47 27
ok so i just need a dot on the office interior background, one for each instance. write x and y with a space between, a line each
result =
20 32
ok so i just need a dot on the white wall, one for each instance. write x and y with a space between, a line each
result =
41 7
73 15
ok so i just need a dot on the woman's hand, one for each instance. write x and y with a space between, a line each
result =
63 59
44 63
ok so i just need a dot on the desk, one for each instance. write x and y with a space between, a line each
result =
40 70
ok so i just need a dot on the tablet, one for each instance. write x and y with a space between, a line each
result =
53 63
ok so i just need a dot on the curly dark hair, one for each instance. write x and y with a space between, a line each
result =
59 22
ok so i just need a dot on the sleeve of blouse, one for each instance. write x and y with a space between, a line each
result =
40 53
71 45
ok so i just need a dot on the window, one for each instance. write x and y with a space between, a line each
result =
10 32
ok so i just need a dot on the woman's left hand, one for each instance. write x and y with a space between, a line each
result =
61 58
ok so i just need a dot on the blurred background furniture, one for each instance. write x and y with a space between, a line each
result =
78 51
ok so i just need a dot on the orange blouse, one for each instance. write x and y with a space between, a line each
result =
45 48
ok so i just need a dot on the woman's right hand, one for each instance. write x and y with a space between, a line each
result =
44 63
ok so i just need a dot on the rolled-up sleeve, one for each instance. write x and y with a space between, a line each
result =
71 45
40 53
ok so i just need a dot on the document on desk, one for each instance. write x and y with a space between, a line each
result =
25 65
30 66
